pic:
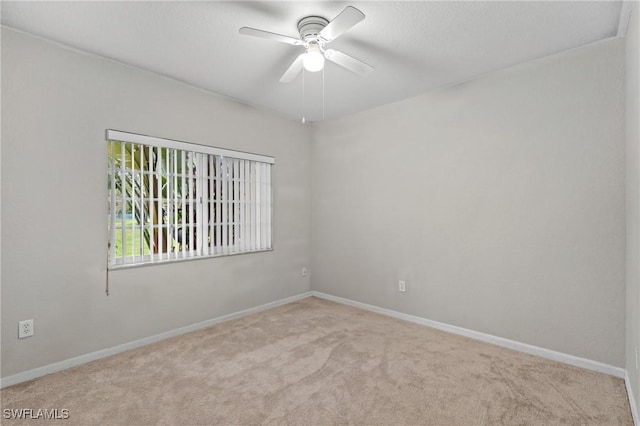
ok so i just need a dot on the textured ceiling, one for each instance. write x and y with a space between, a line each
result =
414 46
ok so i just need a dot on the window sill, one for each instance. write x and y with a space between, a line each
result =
158 261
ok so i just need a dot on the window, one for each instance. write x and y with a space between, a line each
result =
172 200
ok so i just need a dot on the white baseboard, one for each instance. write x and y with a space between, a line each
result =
82 359
500 341
511 344
632 400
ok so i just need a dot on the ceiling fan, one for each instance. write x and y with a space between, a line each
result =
315 33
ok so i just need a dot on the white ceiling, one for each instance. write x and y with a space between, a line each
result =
414 46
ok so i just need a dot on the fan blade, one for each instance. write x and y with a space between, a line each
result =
341 23
293 70
349 62
271 36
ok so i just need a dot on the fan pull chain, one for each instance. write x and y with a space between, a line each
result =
323 93
303 117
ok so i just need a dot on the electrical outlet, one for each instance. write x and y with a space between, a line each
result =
304 271
25 328
402 286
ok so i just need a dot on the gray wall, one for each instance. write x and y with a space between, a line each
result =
501 202
633 199
56 105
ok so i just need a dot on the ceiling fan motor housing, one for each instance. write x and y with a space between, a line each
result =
310 28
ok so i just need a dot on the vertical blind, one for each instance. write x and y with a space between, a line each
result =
171 200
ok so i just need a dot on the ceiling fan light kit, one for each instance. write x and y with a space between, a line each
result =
315 33
313 60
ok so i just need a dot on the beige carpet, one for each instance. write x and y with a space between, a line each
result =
317 362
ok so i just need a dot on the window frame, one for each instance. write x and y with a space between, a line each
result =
235 189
